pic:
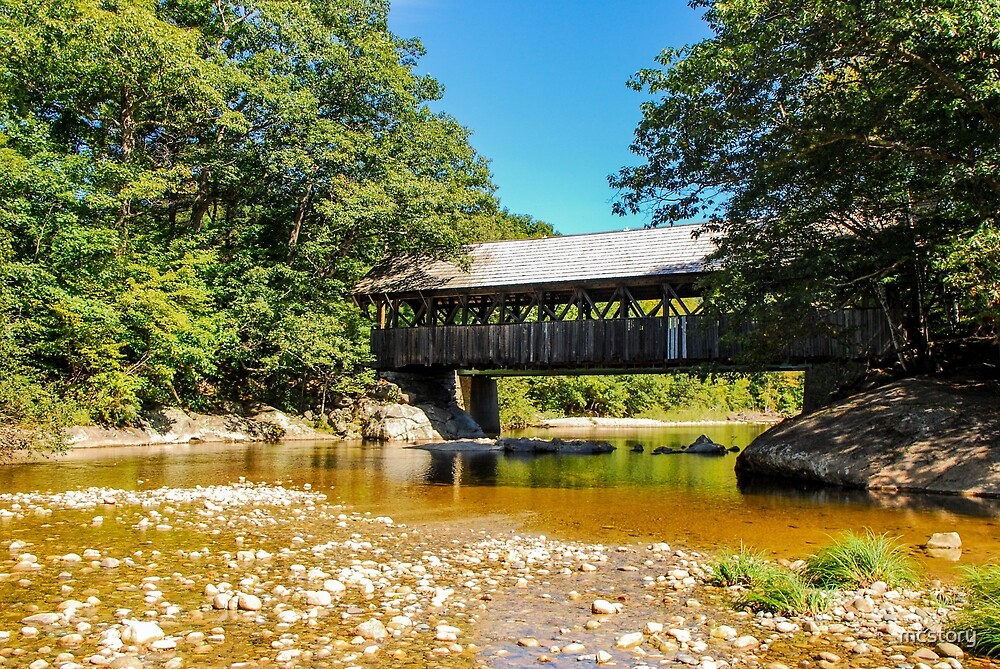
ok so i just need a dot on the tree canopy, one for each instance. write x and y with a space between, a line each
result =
188 189
844 152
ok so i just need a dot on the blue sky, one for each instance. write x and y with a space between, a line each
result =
541 83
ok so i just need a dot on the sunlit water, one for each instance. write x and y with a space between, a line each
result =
625 496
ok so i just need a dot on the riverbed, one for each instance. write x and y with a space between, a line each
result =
249 555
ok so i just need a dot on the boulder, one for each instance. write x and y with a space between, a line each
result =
705 446
920 434
399 422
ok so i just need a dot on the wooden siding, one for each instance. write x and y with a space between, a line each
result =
616 343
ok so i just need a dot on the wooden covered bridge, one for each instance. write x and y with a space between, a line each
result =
614 301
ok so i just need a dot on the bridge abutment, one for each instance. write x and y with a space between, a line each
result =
482 401
823 380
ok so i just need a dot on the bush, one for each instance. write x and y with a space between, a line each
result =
982 614
32 418
857 561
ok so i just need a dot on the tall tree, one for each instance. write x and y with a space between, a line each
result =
188 188
843 151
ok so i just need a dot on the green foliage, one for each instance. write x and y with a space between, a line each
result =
981 615
516 409
845 152
857 561
188 190
652 395
766 586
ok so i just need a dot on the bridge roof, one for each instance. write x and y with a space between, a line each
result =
646 254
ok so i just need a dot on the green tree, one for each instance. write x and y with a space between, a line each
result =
189 188
844 152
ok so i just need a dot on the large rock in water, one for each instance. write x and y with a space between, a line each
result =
568 446
399 422
916 434
705 446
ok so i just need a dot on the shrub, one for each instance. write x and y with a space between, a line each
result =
857 561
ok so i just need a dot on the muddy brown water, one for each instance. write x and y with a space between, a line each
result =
623 497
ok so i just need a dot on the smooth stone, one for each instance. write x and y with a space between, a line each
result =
604 607
603 657
925 655
141 633
745 642
42 619
248 602
372 629
528 642
944 540
950 650
630 640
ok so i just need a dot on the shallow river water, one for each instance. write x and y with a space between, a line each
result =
620 497
466 558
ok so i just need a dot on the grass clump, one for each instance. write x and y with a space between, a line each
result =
766 586
858 560
980 619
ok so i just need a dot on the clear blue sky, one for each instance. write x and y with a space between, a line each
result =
541 83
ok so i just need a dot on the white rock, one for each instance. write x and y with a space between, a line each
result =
745 642
630 640
603 657
248 602
723 632
372 629
653 628
318 598
42 619
141 633
604 607
945 540
681 635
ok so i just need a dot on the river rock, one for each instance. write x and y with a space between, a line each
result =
629 640
399 422
42 619
604 607
946 540
705 446
248 602
141 633
461 446
372 629
950 650
562 446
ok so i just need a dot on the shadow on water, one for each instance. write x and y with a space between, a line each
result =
819 494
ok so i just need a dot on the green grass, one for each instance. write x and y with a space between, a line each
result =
982 614
765 585
857 561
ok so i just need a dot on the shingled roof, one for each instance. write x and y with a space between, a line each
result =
572 259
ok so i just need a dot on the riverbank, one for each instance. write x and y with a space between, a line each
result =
250 575
597 422
920 434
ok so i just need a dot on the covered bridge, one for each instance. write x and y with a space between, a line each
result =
607 301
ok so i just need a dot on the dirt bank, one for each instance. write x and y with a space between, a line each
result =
921 434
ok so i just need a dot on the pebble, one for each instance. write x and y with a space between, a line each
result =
604 607
630 640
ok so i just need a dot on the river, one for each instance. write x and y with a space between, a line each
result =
623 497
